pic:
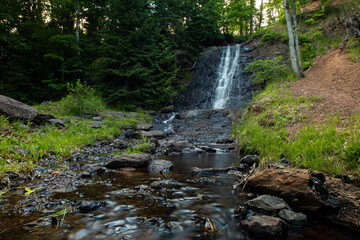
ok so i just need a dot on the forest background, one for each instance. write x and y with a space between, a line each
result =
135 54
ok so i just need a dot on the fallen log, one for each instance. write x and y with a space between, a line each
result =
209 171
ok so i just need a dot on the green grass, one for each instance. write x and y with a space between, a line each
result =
42 141
332 147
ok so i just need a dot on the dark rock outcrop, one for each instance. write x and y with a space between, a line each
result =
298 219
16 110
267 204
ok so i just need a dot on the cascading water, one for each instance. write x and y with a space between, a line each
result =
227 69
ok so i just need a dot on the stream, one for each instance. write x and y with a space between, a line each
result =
143 205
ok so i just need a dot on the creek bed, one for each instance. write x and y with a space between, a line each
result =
136 210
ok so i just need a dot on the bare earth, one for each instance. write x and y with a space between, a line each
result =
336 80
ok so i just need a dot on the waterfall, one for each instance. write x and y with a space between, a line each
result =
226 71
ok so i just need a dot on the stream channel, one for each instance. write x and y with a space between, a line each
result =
138 207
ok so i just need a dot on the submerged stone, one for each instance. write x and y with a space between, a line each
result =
135 160
160 165
89 206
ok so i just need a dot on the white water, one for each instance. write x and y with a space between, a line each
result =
227 68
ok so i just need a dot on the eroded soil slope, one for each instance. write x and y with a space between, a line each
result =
336 80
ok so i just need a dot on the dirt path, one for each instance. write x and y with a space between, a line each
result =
336 80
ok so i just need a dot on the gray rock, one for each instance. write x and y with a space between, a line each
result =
12 175
121 144
16 110
265 226
144 126
153 134
97 119
168 109
160 165
118 114
189 151
250 160
267 204
57 122
89 206
95 125
135 160
293 218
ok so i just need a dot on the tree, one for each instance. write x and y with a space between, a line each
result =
291 24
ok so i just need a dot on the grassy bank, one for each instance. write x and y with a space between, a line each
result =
21 146
276 125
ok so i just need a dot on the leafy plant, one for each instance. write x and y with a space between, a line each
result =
82 100
268 70
28 191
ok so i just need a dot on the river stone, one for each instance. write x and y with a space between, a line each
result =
177 147
168 109
119 143
144 126
16 110
267 203
189 151
293 218
57 122
97 119
153 134
225 140
95 125
160 165
89 206
265 226
135 160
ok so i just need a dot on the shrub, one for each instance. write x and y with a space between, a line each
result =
82 100
268 70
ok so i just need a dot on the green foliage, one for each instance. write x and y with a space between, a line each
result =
268 70
82 100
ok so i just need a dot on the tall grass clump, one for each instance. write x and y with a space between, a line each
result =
82 100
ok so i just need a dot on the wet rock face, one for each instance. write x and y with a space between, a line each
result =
298 219
135 160
265 226
89 206
16 110
200 91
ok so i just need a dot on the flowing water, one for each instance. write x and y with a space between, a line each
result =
227 70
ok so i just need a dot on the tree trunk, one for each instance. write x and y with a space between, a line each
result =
252 3
261 13
293 58
297 47
78 27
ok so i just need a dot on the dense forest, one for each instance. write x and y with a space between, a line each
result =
134 53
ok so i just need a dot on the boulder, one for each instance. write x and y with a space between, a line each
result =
96 119
134 160
144 126
177 147
315 192
265 226
16 110
267 203
298 219
168 109
225 140
160 165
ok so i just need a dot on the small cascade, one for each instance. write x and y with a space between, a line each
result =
227 69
